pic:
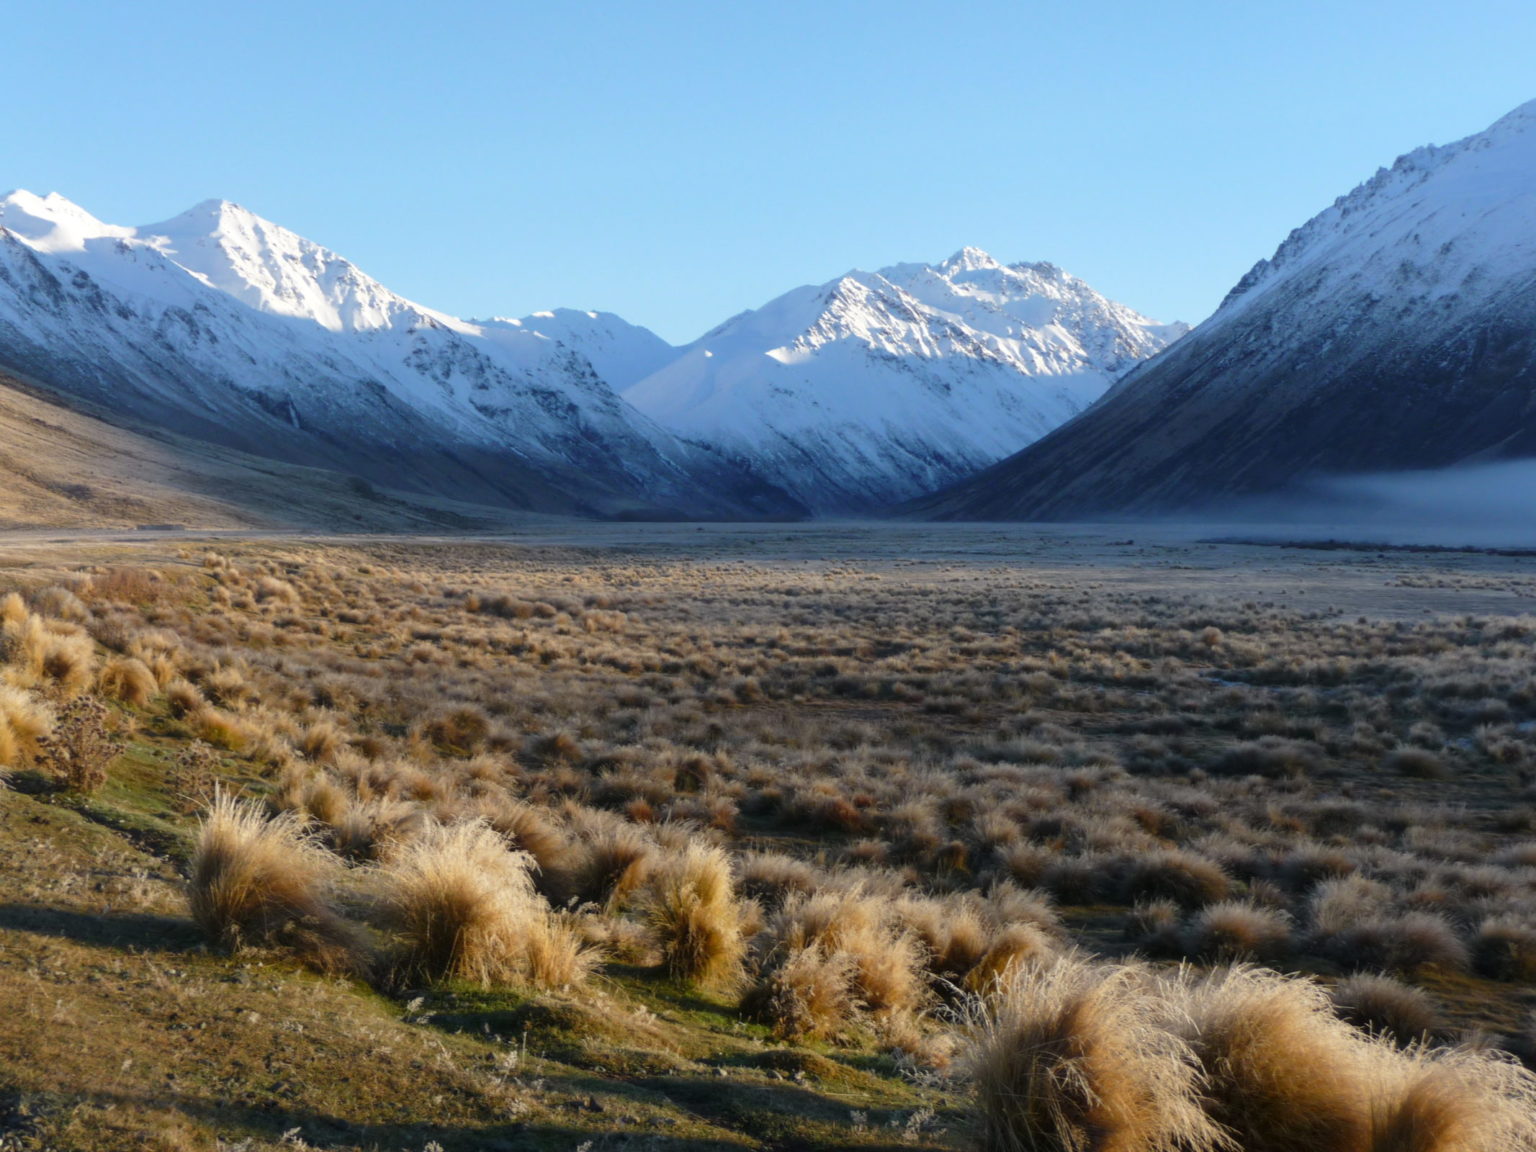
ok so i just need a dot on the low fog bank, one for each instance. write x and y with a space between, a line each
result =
1479 506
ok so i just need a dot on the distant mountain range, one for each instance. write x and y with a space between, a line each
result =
879 386
223 326
1395 330
220 325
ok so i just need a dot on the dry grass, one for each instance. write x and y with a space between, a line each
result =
129 680
1282 1072
25 723
848 788
1074 1056
805 992
1387 1007
460 905
697 918
1458 1100
255 880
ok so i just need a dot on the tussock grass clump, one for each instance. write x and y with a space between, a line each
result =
1505 949
459 730
611 866
260 881
1012 946
696 916
807 992
887 970
47 654
1416 763
1075 1056
128 680
1282 1072
1387 1007
953 932
533 831
25 723
1190 880
460 905
1456 1100
1237 930
1269 756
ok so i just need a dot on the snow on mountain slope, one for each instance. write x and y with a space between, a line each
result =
878 386
621 352
1395 330
223 325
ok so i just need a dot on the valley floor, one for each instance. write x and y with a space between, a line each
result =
983 745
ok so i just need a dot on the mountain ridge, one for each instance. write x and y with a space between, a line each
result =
875 386
1395 329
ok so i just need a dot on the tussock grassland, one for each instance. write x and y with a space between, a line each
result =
647 848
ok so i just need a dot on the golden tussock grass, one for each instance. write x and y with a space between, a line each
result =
255 880
1282 1072
1386 1007
128 680
1070 1056
25 722
460 905
805 992
887 961
697 919
1454 1100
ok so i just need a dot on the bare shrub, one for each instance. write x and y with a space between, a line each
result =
191 779
81 746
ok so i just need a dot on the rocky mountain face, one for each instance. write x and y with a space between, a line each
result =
224 326
1395 330
835 399
878 386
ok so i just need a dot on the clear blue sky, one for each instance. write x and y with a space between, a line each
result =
676 162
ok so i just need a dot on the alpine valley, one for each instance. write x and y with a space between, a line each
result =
223 327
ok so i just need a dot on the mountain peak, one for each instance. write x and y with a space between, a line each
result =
276 270
969 259
1522 118
52 223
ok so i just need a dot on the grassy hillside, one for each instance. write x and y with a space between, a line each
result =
62 467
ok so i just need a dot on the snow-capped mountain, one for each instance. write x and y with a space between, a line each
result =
622 353
223 325
878 386
1395 330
